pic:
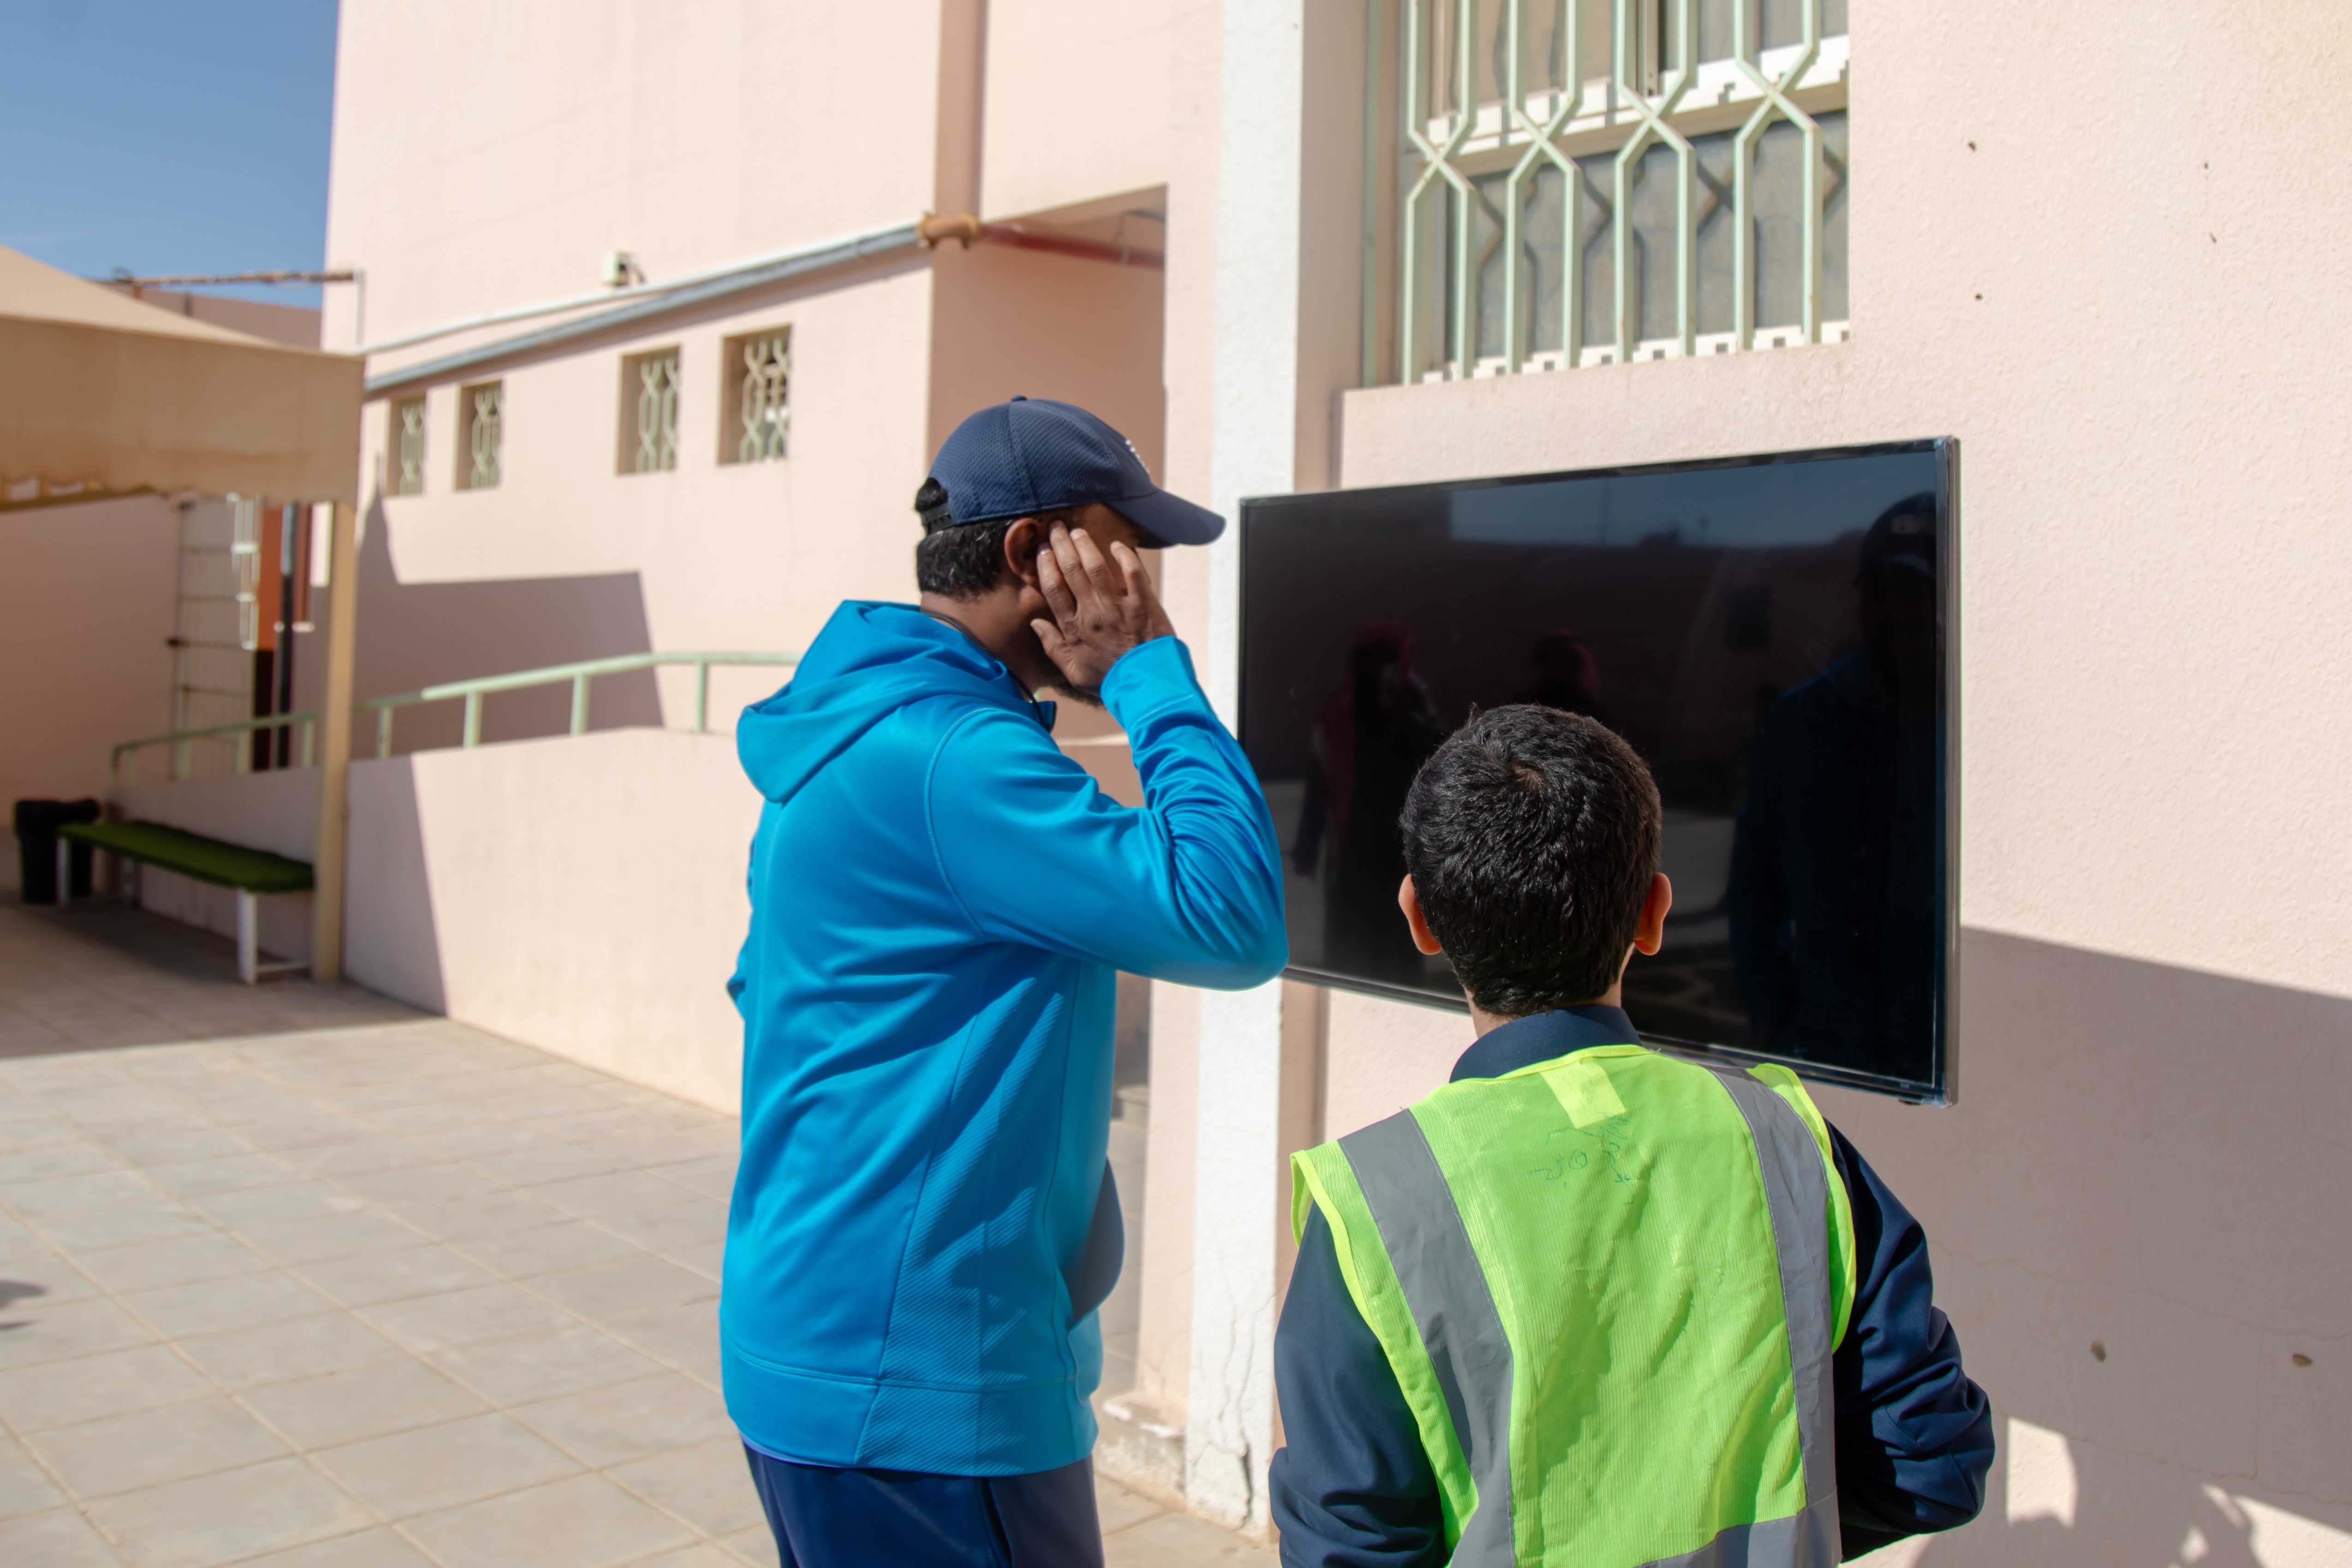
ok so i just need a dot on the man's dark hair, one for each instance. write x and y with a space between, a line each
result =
962 561
1532 835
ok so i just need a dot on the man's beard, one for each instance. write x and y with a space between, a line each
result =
1061 691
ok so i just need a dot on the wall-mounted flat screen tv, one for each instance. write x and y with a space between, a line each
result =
1772 634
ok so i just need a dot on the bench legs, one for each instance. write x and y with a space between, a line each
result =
249 967
248 937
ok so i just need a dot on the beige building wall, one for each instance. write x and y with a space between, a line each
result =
584 896
88 595
571 558
487 158
1077 104
484 165
2121 289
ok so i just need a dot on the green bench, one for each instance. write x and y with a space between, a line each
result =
250 872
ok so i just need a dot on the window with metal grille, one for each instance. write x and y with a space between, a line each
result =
757 368
649 412
1566 182
405 446
481 434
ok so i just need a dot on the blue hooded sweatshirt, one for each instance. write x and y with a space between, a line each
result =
940 902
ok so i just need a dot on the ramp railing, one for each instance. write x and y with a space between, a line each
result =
470 692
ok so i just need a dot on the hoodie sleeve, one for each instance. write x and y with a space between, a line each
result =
1188 888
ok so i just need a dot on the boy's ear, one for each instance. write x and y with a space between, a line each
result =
1650 931
1410 902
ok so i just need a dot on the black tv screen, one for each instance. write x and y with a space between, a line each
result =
1770 633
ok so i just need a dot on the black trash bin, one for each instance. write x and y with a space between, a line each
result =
38 822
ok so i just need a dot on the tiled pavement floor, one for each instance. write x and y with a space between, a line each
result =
295 1276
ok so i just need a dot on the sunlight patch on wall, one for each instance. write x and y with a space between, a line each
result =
2042 1480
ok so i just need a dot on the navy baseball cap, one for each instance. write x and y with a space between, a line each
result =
1032 453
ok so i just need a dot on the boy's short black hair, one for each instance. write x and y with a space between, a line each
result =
1532 835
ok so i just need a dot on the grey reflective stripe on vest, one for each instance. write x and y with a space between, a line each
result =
1796 1189
1809 1538
1429 1247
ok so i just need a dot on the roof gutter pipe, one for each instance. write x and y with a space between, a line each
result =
641 303
830 251
633 304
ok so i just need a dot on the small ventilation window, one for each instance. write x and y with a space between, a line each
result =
481 429
757 397
405 447
648 442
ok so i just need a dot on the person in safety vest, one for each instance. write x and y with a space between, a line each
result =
924 1221
1589 1304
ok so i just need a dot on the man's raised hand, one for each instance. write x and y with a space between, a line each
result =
1102 605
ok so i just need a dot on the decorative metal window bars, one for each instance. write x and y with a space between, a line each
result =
654 377
1586 182
408 446
483 410
763 412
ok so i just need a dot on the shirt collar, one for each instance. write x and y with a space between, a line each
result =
1542 1037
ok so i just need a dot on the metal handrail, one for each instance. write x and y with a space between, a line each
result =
471 691
179 741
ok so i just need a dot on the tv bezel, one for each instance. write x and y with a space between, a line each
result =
1942 1088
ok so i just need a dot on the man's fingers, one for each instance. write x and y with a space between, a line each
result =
1055 586
1087 601
1145 604
1097 567
1130 566
1049 637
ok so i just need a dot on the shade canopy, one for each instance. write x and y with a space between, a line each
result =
101 394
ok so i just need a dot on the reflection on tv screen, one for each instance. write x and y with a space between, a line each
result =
1768 633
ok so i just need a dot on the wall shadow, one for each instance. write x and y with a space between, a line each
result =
391 940
2131 1210
414 635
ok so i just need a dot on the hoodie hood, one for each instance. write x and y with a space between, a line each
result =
871 660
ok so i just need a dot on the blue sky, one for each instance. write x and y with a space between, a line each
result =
167 136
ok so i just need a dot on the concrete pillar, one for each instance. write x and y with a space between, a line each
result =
1284 346
335 745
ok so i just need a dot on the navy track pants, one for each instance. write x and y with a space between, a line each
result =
827 1517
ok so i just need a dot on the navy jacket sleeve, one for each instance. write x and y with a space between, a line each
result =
1913 1434
1353 1489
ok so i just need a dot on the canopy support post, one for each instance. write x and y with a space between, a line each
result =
335 747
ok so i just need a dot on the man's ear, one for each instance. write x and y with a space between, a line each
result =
1410 902
1650 931
1022 542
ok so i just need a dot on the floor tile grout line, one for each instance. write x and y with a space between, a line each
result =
200 1106
458 1377
237 1398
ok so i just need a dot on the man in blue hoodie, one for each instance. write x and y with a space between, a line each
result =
924 1221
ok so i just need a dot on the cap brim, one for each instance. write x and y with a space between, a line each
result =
1170 519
